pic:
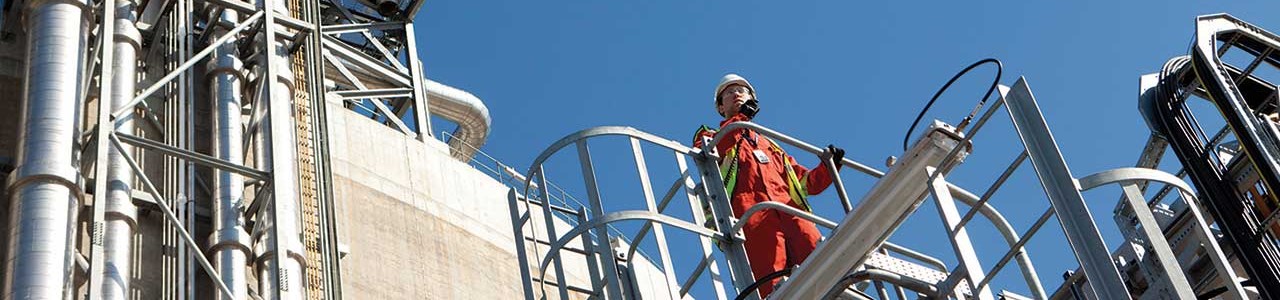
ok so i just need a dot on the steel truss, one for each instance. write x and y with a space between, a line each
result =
367 70
170 26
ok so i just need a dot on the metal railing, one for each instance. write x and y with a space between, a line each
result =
703 183
710 187
562 204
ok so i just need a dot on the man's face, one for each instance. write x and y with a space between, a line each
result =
731 98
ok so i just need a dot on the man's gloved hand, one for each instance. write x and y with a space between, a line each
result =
837 154
750 108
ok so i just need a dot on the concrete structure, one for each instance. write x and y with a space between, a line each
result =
420 224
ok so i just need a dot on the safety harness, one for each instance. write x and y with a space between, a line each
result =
729 172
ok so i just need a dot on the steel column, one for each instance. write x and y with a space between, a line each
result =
699 217
120 212
659 234
548 219
518 220
607 256
280 257
1153 235
418 78
731 245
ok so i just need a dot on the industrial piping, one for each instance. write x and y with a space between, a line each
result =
229 242
467 111
270 263
46 196
121 214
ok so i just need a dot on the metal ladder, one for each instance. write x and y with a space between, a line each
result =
856 251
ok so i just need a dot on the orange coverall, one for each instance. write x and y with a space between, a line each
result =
774 240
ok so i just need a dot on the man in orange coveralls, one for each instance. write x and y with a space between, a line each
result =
755 170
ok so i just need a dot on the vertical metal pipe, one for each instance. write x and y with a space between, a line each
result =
121 214
280 229
46 198
186 185
229 243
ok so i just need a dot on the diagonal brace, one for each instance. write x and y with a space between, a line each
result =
168 213
128 108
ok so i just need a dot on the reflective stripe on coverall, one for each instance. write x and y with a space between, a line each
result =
774 240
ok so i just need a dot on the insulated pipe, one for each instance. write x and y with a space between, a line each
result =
467 111
279 140
121 214
45 192
229 242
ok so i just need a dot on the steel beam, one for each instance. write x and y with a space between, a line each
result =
893 198
395 61
378 93
366 63
959 237
181 70
699 217
1202 230
362 27
731 243
518 221
97 257
170 216
613 286
1154 236
659 233
198 158
421 106
1077 223
548 221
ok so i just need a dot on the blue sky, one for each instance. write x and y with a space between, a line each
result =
850 73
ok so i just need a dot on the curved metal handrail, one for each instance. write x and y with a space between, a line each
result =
625 215
661 207
534 167
1188 196
990 213
1133 174
1002 225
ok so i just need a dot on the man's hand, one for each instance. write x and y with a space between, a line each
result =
750 108
837 154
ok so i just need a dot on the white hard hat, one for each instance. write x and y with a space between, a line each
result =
727 80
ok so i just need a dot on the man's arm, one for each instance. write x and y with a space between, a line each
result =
815 181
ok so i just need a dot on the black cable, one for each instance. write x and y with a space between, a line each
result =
756 285
994 83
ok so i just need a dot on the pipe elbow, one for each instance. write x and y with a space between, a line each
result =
464 109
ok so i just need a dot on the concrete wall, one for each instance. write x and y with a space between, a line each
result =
422 225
